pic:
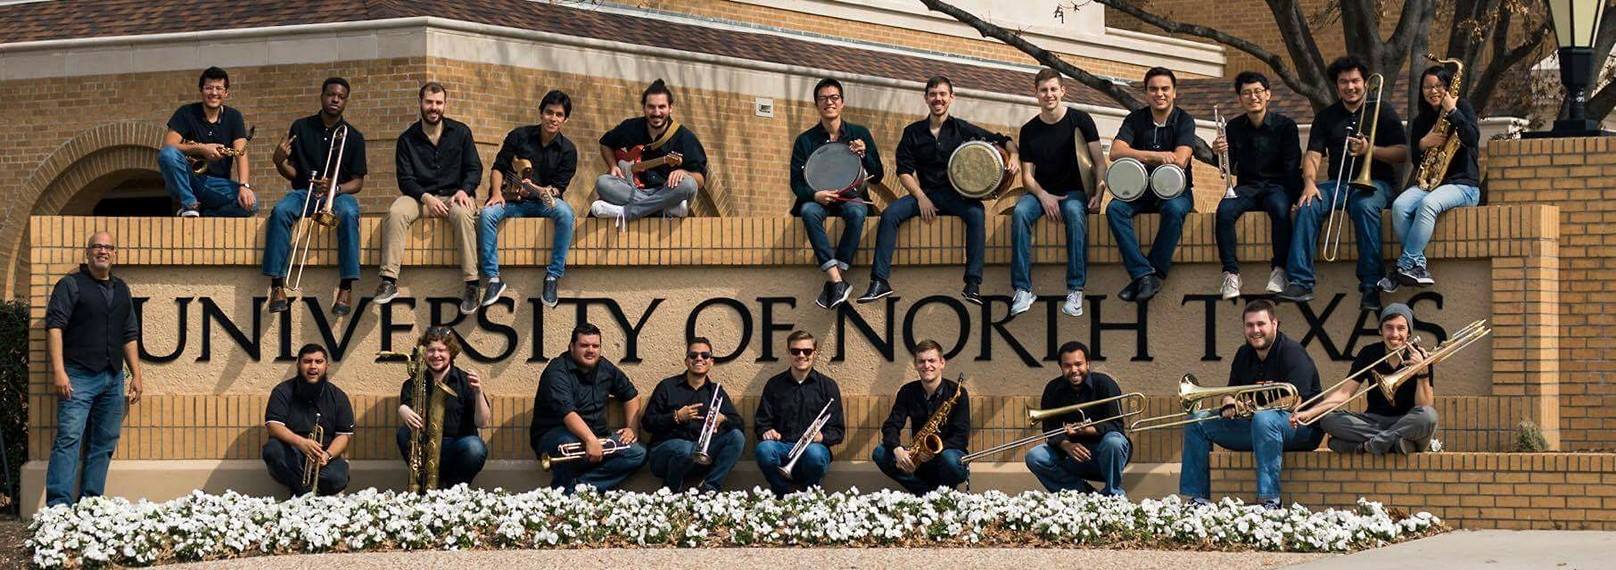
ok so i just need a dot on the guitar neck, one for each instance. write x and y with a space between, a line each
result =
653 163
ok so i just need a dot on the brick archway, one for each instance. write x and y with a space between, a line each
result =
84 162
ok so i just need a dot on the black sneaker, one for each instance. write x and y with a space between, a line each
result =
1405 276
1128 293
549 296
343 303
823 300
972 292
878 289
1370 300
1422 277
839 292
278 302
1149 286
1296 293
1388 284
468 298
492 292
386 291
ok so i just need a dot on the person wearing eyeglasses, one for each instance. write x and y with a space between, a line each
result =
1266 149
815 206
676 415
1414 212
791 402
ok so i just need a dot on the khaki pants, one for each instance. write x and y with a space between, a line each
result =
404 211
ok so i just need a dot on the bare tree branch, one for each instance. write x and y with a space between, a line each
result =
1504 62
1603 100
1305 54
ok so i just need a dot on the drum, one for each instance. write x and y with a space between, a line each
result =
1127 178
977 170
835 167
1167 181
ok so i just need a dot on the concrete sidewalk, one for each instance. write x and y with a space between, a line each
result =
1490 549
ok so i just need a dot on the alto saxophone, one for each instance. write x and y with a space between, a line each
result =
928 441
1434 163
426 444
311 464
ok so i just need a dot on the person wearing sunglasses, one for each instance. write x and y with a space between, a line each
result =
791 402
676 415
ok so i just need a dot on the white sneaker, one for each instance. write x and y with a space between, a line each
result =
604 209
1021 302
1231 285
680 211
1073 307
1277 279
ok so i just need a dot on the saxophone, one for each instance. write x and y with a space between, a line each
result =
928 441
426 444
1434 163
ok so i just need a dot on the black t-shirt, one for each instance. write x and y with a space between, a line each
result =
1140 131
191 122
309 151
459 410
1329 136
330 406
1052 149
1378 404
632 132
1287 362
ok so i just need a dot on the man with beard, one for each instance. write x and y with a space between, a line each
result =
791 401
915 404
297 159
91 334
1404 423
1096 452
1267 357
570 409
923 153
465 410
676 416
295 407
815 206
212 132
554 160
666 189
1157 135
438 171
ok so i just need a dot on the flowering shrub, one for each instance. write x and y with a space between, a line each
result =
112 531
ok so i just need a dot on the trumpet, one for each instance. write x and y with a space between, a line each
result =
303 238
1335 226
1225 166
1398 358
807 437
709 427
199 166
311 464
574 451
1129 405
1249 400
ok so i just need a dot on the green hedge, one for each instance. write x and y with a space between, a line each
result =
14 391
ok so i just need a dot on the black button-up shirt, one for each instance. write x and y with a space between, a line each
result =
564 388
1096 386
439 169
815 137
314 140
788 407
926 157
1404 400
1269 153
1140 130
1329 136
331 407
673 393
1287 362
553 164
459 410
1463 169
913 407
634 132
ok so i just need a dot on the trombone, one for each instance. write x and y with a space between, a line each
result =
303 238
1335 226
1389 383
1129 405
1249 400
574 451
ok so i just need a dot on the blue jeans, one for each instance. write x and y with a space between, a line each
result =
808 471
1119 215
1262 196
1074 211
95 413
945 470
285 465
1268 435
1363 211
948 204
1061 472
459 461
209 195
813 222
673 459
488 233
603 476
1414 217
278 233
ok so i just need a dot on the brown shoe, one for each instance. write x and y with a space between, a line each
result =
344 303
277 300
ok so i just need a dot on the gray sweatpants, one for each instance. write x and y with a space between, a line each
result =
641 202
1382 432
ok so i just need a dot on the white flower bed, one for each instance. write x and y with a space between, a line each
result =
113 531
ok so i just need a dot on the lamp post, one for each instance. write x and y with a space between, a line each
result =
1575 22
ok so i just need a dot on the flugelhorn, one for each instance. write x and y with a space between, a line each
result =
1035 417
574 451
1249 400
1335 226
303 238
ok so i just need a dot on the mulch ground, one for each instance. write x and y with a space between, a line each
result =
13 531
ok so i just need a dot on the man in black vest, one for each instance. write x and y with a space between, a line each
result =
91 332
